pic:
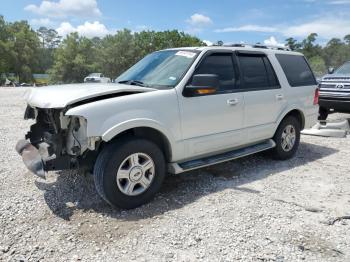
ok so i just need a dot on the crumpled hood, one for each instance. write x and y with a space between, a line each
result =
62 95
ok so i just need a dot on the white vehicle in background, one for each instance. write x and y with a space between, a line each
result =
176 110
96 78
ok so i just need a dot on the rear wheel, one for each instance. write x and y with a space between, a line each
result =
129 173
287 138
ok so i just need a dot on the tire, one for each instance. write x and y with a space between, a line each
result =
281 151
123 181
323 114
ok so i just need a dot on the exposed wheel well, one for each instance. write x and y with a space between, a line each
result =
298 115
151 134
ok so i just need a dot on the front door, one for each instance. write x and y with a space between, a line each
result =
213 122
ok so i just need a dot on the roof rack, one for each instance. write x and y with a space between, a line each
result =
257 46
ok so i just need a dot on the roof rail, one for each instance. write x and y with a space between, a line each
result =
259 46
237 45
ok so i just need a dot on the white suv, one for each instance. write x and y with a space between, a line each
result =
174 111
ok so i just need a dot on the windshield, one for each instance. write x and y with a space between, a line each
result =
343 70
159 69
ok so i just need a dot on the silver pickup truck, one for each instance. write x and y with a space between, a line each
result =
335 91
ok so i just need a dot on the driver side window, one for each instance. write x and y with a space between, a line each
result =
220 64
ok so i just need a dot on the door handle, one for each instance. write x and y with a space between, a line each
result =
232 102
279 97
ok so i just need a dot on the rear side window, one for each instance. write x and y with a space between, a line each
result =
297 70
257 72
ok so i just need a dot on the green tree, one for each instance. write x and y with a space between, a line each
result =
49 37
336 52
293 44
150 41
74 59
318 65
23 50
220 43
49 41
309 46
116 53
347 39
5 52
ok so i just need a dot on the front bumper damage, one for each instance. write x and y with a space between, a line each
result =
39 160
31 157
43 148
55 142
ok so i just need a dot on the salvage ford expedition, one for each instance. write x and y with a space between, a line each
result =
176 110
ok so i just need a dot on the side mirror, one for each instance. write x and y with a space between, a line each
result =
202 84
330 70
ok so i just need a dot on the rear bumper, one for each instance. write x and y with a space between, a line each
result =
31 157
341 106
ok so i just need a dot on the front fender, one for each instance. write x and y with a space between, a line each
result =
157 110
134 123
107 126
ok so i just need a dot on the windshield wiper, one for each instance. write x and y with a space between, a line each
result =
133 82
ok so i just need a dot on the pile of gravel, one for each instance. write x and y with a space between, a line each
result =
251 209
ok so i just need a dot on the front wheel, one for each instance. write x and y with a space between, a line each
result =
287 138
129 173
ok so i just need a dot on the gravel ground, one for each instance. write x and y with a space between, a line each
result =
251 209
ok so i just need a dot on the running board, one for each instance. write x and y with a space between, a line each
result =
177 168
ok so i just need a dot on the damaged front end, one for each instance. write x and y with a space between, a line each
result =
55 142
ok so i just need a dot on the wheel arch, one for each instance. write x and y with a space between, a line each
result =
298 114
150 133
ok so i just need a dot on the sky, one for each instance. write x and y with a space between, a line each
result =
235 21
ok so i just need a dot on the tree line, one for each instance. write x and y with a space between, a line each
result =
24 51
78 56
333 54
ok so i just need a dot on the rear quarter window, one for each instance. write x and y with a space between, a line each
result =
297 70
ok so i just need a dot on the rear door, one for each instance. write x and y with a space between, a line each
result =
263 96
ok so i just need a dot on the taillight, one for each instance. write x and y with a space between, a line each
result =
317 95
